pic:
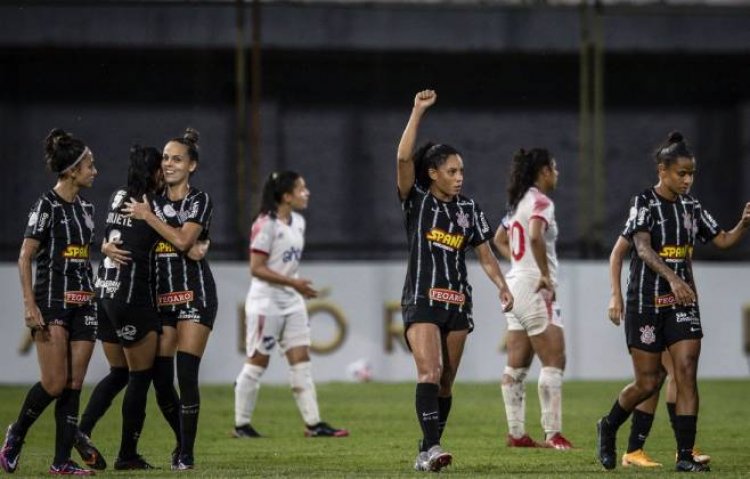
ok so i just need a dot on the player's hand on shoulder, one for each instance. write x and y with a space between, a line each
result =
425 99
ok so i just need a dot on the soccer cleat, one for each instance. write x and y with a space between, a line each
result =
90 455
10 451
523 441
606 452
69 468
638 458
175 458
558 441
437 458
691 466
699 457
132 464
323 429
184 463
422 463
246 431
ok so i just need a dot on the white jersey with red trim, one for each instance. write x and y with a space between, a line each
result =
283 244
534 204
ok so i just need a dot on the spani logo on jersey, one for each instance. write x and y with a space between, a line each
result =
445 240
292 254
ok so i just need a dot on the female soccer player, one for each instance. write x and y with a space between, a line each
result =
436 301
275 306
662 309
59 309
185 288
643 414
528 237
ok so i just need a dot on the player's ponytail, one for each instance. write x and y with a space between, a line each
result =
63 151
525 167
276 185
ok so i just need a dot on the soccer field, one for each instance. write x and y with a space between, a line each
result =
384 434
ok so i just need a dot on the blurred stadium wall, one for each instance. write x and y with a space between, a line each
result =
336 83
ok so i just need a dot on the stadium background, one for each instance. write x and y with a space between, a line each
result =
599 84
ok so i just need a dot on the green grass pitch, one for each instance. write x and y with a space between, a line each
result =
384 434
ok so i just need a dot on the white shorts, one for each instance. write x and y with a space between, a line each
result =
532 311
288 330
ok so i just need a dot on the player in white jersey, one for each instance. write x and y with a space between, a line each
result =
527 237
275 307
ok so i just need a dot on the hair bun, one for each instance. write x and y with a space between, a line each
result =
54 137
191 135
675 137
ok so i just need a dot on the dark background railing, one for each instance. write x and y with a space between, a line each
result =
336 82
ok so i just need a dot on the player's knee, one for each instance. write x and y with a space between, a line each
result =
514 375
54 386
431 375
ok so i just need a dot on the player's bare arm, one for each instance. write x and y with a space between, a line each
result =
684 294
405 159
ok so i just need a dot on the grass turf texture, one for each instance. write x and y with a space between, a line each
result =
384 434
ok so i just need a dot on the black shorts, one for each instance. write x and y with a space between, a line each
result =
656 330
195 314
80 321
446 320
130 322
106 332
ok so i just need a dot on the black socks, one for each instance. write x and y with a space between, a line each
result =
428 414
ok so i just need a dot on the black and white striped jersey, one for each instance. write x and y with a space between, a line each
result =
181 282
65 232
674 226
130 283
438 234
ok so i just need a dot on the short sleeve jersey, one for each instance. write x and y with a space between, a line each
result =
282 243
65 231
181 282
534 204
131 282
438 235
673 226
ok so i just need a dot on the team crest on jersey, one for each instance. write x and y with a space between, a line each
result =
687 221
462 219
88 220
648 336
169 211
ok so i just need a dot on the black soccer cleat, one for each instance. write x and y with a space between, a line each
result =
132 464
691 466
323 429
10 451
246 431
90 455
606 452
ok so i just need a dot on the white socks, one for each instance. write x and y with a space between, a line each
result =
514 396
246 393
303 389
550 400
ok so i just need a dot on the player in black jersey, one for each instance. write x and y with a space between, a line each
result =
643 414
185 289
59 309
436 301
125 289
661 307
